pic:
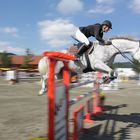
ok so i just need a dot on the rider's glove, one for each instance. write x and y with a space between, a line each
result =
108 42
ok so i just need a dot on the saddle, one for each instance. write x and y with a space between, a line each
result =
72 50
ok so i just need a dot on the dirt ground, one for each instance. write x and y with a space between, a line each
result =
23 114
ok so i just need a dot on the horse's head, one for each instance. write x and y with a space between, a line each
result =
128 45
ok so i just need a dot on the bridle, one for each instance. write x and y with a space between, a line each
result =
124 55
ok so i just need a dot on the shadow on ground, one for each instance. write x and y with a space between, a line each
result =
109 130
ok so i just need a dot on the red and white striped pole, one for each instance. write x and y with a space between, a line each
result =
58 97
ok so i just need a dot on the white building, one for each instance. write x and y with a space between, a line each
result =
128 72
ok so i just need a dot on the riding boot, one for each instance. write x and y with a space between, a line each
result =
82 49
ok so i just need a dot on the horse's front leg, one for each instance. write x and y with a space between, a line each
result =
101 66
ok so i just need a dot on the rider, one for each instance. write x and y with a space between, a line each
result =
95 30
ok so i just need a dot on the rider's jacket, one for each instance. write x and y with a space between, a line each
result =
94 30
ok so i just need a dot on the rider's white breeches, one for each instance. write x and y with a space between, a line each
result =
81 37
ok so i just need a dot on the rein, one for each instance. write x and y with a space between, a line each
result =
124 55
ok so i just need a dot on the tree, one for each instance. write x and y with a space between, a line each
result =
28 52
122 65
136 66
5 59
27 59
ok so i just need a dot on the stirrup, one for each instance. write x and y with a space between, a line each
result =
77 57
81 50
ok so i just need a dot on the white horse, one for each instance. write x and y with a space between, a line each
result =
100 59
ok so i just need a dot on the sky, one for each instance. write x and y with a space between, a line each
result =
42 25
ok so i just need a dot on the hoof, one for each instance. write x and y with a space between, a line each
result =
41 93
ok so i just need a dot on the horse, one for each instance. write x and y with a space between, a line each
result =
101 58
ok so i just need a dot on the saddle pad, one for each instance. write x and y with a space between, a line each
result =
72 50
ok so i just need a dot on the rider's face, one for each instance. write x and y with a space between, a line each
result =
105 28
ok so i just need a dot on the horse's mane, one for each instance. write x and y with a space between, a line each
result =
130 38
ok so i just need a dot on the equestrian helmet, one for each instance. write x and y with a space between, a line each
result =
108 23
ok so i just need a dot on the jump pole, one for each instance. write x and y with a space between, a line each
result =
96 99
58 97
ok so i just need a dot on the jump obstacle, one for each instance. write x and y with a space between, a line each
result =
58 101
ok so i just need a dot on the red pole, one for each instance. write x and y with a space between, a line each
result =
53 58
51 90
96 99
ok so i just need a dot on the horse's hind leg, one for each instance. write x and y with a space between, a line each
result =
44 88
43 85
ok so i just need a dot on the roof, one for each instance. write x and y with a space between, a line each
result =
18 60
